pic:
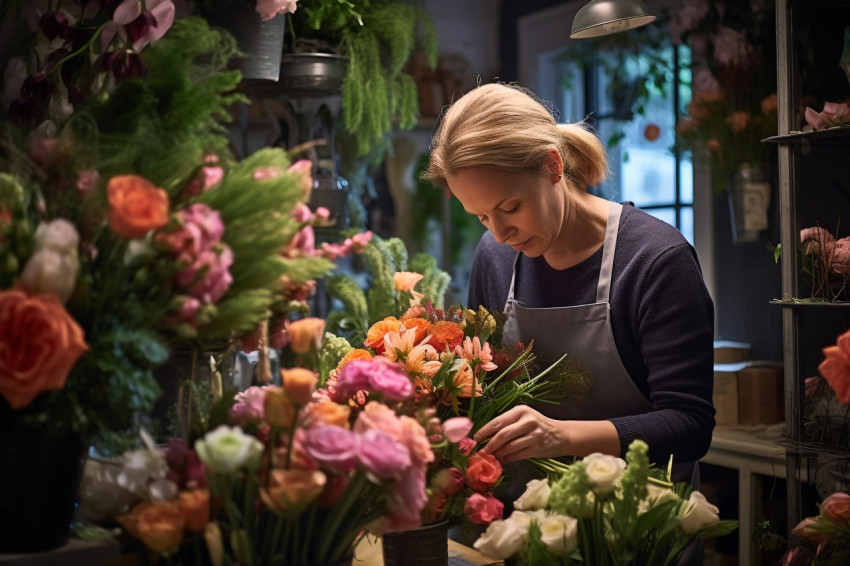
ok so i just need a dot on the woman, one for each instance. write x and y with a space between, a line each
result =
603 282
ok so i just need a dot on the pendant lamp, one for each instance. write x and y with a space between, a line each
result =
604 17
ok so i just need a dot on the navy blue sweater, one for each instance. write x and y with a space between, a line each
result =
662 318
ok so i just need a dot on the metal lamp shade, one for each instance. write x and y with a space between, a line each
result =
604 17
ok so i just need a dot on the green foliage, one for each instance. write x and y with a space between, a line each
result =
435 282
334 348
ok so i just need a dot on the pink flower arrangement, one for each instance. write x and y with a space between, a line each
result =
828 259
824 538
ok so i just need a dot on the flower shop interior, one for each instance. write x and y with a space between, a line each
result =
277 365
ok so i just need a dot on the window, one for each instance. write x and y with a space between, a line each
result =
645 169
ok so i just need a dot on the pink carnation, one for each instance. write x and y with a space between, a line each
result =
483 509
376 375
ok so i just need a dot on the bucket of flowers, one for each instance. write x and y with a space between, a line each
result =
604 511
127 230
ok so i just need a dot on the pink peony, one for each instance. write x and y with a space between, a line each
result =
483 509
332 446
381 455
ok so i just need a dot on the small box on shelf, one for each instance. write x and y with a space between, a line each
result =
730 352
748 393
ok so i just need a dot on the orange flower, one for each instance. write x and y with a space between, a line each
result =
306 334
159 525
136 206
416 311
41 343
445 335
195 507
299 384
463 380
483 471
330 413
375 335
277 407
420 325
405 281
292 489
355 354
835 367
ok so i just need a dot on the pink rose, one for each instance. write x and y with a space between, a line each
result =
456 428
377 375
448 481
216 278
483 471
332 446
483 509
413 437
836 507
381 455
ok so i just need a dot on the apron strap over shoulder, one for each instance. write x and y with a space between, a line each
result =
603 289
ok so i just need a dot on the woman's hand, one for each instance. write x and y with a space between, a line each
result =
523 433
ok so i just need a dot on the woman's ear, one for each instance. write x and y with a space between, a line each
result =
554 165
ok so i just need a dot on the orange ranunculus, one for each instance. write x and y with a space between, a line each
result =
420 325
375 334
41 343
445 335
277 407
299 384
136 206
355 354
483 471
158 524
835 367
330 413
195 507
306 334
292 489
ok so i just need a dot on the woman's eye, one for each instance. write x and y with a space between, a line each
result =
512 210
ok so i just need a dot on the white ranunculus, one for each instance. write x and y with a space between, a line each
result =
698 513
559 533
59 235
48 271
656 496
503 539
227 449
603 471
536 496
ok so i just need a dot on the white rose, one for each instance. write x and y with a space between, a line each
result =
656 496
59 235
559 533
49 271
603 471
503 539
227 449
536 496
698 513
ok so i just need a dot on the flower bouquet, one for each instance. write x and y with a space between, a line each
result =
604 510
824 538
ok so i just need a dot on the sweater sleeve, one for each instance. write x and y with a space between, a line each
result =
673 318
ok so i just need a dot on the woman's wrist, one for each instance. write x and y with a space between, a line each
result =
581 438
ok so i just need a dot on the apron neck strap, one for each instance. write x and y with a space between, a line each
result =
603 288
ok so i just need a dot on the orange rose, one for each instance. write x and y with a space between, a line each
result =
375 334
420 325
136 206
306 334
445 335
836 367
330 413
159 525
41 344
355 354
299 384
483 471
195 507
277 407
292 489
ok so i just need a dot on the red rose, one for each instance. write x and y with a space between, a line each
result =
483 471
41 343
483 509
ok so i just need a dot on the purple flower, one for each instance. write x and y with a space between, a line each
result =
382 455
332 446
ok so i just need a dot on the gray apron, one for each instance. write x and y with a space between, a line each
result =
584 332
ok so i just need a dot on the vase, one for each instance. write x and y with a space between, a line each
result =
261 42
427 545
39 478
748 190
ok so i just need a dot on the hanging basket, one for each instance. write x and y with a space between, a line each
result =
748 190
39 478
427 545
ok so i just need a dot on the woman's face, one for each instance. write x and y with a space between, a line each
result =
525 210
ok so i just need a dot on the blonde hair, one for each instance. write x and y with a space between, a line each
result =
507 127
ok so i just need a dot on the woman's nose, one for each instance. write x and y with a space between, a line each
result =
501 231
